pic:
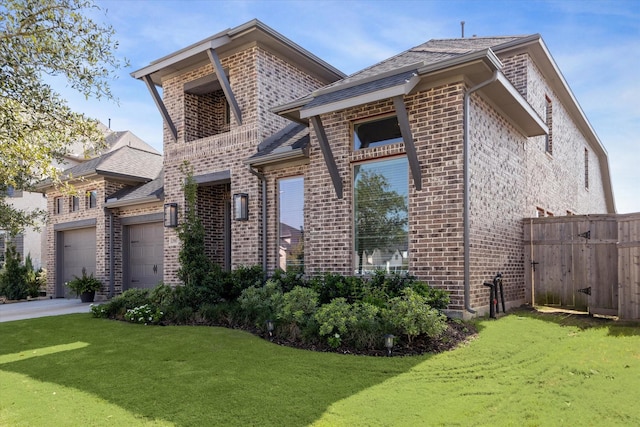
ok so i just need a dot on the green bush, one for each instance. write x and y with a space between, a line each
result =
261 303
33 278
410 315
221 314
118 306
240 279
358 325
296 314
330 286
288 279
147 314
13 277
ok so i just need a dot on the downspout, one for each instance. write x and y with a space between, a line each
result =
465 214
264 217
112 261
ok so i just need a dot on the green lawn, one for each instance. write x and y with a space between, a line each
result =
524 369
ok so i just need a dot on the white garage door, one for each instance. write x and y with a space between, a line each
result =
145 255
78 252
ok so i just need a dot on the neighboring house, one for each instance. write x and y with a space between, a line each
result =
111 226
33 242
425 163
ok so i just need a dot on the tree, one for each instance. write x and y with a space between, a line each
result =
40 39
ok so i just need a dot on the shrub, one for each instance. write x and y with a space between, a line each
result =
13 278
240 279
146 314
223 314
330 286
118 306
296 314
355 324
259 304
288 279
32 277
410 315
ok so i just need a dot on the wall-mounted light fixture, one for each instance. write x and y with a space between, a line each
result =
241 206
170 214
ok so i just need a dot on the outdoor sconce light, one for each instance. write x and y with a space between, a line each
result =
270 327
241 206
388 343
170 214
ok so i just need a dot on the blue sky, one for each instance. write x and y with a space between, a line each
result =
596 45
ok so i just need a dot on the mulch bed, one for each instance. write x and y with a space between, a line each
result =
457 333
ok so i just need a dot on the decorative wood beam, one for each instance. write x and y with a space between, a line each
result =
163 110
328 155
407 136
226 87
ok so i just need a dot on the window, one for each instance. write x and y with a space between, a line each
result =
291 225
58 205
381 206
548 112
75 204
376 133
92 199
540 212
586 168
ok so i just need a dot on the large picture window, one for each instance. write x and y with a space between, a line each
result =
381 205
376 133
291 225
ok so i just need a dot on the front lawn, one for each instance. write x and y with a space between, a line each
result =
524 369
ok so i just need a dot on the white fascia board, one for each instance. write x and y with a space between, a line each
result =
180 56
522 103
366 98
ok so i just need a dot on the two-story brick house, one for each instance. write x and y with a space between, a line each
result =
426 162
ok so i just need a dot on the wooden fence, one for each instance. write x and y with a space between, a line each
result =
589 263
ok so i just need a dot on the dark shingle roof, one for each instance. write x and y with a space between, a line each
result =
148 191
399 68
431 52
293 138
125 162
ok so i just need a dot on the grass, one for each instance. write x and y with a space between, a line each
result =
524 369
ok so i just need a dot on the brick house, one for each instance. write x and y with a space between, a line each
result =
425 163
117 198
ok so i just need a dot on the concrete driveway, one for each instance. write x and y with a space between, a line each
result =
42 308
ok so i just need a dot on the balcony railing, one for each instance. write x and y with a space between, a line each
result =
214 144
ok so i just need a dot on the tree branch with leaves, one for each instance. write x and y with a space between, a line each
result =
41 38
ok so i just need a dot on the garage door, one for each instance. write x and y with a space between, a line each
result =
145 255
78 252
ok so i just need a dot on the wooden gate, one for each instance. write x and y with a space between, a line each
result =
572 262
629 266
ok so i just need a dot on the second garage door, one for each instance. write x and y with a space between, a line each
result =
145 244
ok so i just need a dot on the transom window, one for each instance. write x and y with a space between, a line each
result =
381 222
291 225
375 133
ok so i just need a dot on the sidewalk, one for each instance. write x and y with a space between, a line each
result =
41 308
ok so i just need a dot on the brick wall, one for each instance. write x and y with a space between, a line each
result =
259 81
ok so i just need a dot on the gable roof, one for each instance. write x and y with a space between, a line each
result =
230 40
152 191
126 164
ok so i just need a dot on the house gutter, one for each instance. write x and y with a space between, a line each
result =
262 178
465 214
